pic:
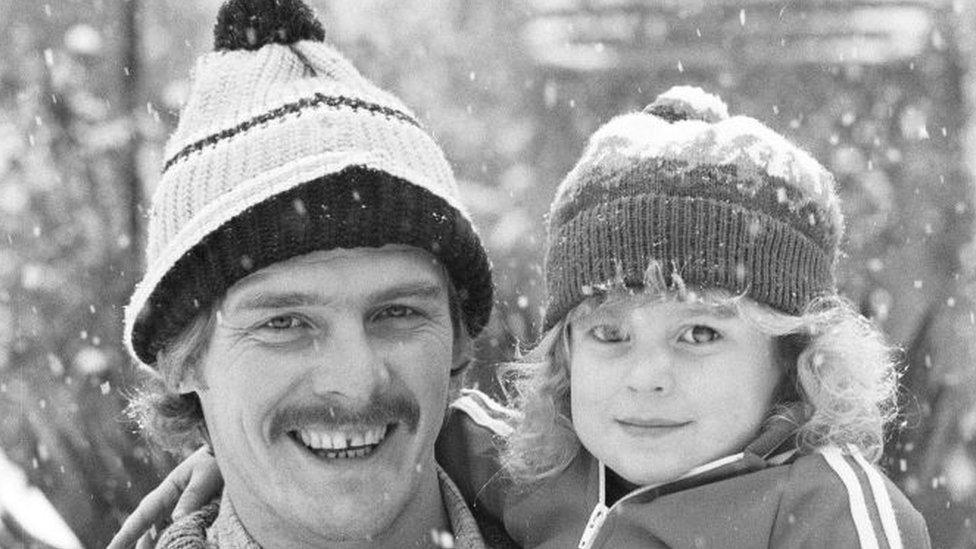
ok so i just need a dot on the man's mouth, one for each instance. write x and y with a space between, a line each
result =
345 443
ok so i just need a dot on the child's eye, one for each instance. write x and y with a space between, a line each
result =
699 334
606 333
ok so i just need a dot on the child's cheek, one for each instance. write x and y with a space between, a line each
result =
594 384
591 378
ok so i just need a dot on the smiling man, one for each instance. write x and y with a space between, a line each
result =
323 388
312 282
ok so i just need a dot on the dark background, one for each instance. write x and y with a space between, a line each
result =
882 92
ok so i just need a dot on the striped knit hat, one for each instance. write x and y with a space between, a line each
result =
724 202
282 149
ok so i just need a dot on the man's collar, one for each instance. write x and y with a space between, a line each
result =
227 530
466 533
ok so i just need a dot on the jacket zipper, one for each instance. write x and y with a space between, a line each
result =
593 525
599 514
601 511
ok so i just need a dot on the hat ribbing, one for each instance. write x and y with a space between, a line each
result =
724 202
283 148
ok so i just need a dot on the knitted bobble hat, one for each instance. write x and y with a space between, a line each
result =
282 149
724 202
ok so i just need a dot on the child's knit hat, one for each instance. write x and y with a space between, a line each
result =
724 202
283 148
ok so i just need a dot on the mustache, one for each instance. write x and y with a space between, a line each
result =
380 409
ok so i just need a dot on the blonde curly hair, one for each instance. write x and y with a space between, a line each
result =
837 365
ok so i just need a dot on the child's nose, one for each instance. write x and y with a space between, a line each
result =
650 371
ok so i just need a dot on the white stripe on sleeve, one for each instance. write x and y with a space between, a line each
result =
480 415
881 500
859 510
488 402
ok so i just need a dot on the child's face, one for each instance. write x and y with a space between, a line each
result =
659 388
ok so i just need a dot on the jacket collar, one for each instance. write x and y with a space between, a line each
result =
775 444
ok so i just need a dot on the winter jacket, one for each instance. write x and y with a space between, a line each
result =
769 495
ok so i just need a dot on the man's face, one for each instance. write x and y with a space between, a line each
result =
325 384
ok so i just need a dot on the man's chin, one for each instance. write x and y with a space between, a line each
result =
348 519
350 507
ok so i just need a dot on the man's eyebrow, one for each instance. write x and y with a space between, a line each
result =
263 300
421 289
276 300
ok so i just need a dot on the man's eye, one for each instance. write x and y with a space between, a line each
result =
606 333
396 311
284 322
696 335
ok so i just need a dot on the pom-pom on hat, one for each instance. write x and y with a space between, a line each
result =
282 149
251 25
725 202
684 102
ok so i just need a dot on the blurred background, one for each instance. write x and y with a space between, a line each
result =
881 91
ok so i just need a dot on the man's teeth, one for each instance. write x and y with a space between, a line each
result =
353 440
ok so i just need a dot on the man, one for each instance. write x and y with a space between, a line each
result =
312 281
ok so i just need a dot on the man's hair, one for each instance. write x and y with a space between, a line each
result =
165 415
174 420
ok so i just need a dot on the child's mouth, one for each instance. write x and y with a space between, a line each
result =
652 427
350 442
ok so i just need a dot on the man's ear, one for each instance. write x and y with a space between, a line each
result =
186 386
457 377
190 382
460 364
463 354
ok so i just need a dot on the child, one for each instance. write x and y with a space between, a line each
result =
699 382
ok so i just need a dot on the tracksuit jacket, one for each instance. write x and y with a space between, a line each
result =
769 495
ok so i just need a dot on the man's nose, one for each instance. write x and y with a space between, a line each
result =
650 369
350 364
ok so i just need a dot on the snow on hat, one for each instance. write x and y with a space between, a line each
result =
723 201
283 148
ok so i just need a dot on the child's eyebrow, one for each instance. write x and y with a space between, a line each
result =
724 310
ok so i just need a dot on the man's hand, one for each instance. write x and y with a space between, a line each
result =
188 487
